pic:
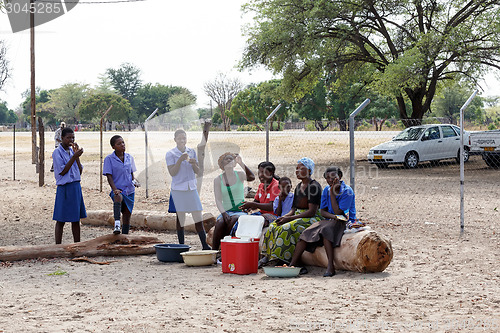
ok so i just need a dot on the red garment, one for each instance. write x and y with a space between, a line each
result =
267 195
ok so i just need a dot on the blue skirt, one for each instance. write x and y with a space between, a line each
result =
69 205
128 200
185 201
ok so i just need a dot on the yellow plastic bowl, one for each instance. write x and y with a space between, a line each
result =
199 258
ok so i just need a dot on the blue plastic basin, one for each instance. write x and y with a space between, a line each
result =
170 252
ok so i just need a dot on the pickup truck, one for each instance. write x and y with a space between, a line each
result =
486 144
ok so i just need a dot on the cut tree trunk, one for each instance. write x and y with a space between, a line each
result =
364 251
201 154
147 219
107 245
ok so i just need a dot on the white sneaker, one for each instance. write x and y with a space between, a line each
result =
117 229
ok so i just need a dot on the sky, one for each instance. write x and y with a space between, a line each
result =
182 43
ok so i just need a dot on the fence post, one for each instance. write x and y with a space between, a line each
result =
14 154
462 218
146 144
100 160
267 130
351 139
41 154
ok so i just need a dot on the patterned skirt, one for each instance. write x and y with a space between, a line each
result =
280 240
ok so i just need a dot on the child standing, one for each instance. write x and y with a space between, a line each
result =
69 205
183 166
119 168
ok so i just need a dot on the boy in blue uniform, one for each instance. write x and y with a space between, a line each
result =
119 168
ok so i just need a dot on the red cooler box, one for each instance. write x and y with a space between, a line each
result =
240 254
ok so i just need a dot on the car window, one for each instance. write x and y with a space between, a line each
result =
432 133
409 134
448 131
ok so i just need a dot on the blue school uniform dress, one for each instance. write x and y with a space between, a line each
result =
345 200
184 195
331 230
121 172
286 206
69 205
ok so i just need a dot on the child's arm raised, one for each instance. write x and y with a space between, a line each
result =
173 169
75 157
248 173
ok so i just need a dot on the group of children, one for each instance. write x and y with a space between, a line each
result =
119 168
296 222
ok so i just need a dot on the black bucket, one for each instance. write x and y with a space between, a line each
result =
170 252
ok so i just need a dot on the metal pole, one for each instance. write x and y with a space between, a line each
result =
462 173
14 154
146 144
351 139
41 153
267 130
100 161
34 155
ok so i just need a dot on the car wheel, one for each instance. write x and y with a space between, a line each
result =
492 161
466 155
411 160
381 165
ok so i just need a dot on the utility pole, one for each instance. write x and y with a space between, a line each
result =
33 96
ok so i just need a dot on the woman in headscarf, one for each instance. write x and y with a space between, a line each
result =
283 234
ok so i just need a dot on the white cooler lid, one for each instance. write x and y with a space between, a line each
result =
249 226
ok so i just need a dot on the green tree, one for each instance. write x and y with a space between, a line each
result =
150 97
41 97
448 103
182 109
93 107
409 47
7 116
63 102
256 102
126 80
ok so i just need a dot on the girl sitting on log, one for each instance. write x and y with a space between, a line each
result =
69 205
282 235
119 168
337 202
229 195
266 193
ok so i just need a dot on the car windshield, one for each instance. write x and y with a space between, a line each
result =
409 134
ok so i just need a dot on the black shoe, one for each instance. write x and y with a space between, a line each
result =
263 262
303 271
329 274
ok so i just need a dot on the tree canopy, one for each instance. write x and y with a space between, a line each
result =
408 47
6 115
93 107
222 90
4 64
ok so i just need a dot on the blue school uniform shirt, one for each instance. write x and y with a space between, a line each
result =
120 171
345 199
286 206
60 157
185 179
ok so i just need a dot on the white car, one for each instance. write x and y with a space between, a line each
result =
421 143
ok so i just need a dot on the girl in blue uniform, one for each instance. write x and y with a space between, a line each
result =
119 168
69 205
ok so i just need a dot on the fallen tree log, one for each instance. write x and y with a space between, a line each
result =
365 251
107 245
147 219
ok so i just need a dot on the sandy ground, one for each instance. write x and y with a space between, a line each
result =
439 280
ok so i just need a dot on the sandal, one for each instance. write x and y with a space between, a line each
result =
303 271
